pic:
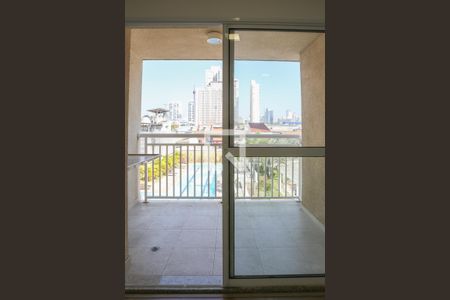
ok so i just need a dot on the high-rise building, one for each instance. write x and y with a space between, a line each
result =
254 102
289 115
208 99
236 116
213 74
208 105
174 111
268 116
191 111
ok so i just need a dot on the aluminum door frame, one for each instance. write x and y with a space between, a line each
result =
227 167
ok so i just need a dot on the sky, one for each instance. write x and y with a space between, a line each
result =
164 81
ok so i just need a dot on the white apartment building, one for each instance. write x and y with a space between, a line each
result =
174 111
237 118
191 111
208 100
208 105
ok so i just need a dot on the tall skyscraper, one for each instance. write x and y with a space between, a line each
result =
191 111
208 105
174 111
236 116
208 99
268 116
213 74
254 102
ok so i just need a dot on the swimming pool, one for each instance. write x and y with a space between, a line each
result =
198 184
190 181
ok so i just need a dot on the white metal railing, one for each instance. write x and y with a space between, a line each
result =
190 167
214 134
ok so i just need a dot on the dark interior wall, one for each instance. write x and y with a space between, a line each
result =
127 79
279 11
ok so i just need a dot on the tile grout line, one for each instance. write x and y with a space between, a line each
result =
215 247
218 234
170 255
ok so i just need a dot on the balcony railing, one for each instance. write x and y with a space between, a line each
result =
191 168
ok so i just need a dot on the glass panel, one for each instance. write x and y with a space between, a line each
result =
279 88
175 96
279 215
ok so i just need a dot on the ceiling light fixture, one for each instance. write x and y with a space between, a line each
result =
214 38
234 37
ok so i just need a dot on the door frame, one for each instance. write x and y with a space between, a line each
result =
226 146
227 168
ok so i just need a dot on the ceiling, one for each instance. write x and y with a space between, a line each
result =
272 45
218 11
190 43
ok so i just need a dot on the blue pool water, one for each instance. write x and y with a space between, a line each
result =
199 182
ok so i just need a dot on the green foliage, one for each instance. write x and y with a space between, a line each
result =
166 163
269 173
173 161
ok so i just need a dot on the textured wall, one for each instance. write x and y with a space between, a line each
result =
134 120
313 121
312 60
313 186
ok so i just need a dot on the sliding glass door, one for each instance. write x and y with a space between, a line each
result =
274 156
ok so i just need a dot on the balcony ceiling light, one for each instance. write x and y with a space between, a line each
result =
234 37
214 38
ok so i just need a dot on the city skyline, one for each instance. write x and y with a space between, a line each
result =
161 77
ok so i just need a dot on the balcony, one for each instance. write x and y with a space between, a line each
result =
175 232
174 243
277 196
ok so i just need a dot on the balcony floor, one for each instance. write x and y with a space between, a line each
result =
274 237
